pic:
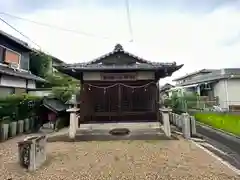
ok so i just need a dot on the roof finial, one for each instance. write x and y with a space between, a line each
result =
118 47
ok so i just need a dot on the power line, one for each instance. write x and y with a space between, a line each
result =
20 32
54 27
129 20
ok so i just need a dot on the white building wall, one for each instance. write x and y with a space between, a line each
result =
31 84
233 88
12 81
219 90
5 91
228 91
40 93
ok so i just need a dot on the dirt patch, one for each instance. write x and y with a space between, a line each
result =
136 159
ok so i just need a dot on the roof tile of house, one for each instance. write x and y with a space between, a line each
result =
141 63
19 73
214 76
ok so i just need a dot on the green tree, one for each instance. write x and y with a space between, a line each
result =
184 101
63 86
40 64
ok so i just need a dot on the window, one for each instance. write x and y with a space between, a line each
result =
9 56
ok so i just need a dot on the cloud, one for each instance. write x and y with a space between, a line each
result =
195 33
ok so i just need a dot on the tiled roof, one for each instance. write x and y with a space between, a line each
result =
54 104
140 63
214 76
145 66
21 74
194 73
16 40
119 48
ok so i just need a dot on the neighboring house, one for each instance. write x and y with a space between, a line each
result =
221 83
183 79
15 76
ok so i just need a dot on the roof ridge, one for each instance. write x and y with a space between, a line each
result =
15 39
119 48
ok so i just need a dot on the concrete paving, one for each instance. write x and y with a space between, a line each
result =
100 132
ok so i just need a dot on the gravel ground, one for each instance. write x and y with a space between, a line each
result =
117 160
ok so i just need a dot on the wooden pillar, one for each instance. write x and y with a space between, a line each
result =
157 103
81 100
119 100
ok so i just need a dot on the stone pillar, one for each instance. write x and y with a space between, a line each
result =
174 119
73 122
20 126
77 121
73 125
179 121
26 125
193 125
186 126
4 131
166 123
13 129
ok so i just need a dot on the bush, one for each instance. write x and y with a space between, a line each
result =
183 102
226 122
17 107
62 93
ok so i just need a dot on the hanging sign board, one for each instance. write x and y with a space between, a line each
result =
118 76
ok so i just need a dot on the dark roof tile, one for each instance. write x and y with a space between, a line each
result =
214 76
16 40
18 73
194 73
54 104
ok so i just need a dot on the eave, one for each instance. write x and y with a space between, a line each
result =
118 55
161 72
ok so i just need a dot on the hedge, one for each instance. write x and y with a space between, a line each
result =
226 122
18 107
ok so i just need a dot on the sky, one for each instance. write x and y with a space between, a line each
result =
197 33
